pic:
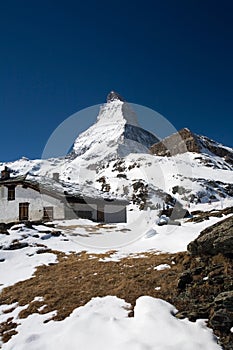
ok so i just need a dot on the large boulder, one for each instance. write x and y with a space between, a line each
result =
222 315
214 239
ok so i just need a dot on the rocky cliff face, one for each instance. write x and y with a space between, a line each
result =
205 287
181 142
214 240
186 141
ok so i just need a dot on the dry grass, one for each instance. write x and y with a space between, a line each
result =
7 329
89 228
77 278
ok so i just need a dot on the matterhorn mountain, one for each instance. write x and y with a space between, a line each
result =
116 155
115 134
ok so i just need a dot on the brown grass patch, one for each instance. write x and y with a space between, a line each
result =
77 278
88 228
7 329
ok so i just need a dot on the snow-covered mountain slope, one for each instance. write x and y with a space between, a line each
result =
112 156
116 133
182 176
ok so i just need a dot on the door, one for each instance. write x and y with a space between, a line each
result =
100 214
48 213
23 211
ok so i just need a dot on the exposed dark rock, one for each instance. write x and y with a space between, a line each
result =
224 300
140 193
16 245
184 279
56 233
181 142
43 250
186 141
124 176
176 212
119 166
114 96
219 279
215 239
205 288
198 297
105 187
45 231
179 189
4 227
222 320
199 216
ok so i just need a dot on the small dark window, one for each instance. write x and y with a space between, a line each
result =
48 213
11 193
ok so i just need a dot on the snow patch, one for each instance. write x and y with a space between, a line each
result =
102 324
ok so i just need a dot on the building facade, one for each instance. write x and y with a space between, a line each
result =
23 199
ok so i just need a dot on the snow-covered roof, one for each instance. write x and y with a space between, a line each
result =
63 190
12 180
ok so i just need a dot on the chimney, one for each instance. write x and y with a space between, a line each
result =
56 177
5 174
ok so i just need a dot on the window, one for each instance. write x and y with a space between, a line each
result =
23 211
11 193
48 213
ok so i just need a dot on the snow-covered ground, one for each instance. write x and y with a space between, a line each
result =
141 234
102 324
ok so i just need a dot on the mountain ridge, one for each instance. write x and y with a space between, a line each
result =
185 140
116 155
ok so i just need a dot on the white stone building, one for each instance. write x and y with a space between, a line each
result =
27 198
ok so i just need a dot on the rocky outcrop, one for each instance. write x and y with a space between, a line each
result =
205 286
186 141
199 216
181 142
222 314
217 149
176 212
215 239
113 96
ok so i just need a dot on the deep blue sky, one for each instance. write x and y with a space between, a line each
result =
57 57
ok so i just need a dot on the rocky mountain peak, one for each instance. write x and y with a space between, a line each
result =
114 96
116 133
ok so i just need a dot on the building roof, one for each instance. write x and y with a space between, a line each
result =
64 191
13 180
